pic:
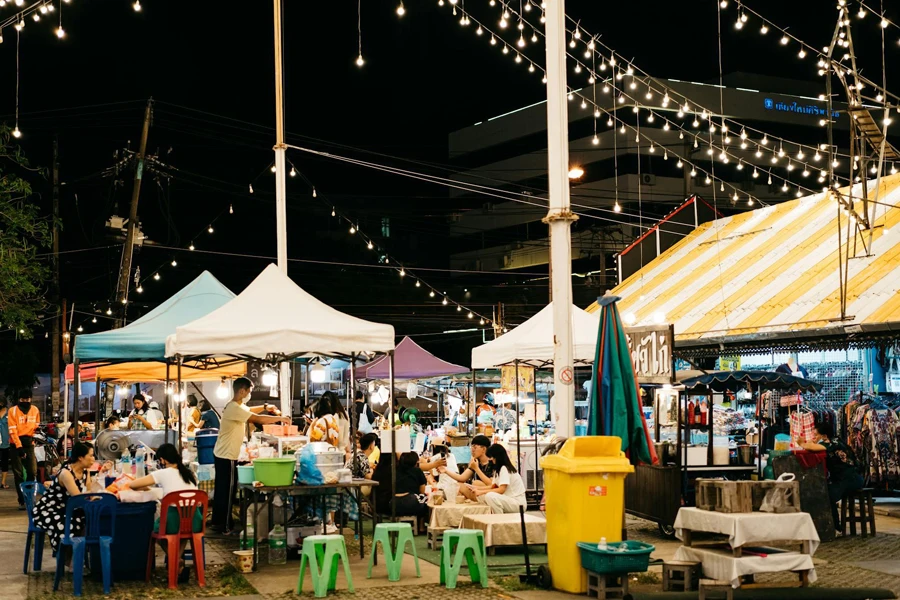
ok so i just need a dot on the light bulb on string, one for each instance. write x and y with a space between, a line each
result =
370 246
431 294
359 61
230 209
770 178
94 320
755 173
139 289
679 164
136 6
352 230
16 132
108 311
273 169
764 29
210 229
333 213
156 277
251 188
445 302
418 283
60 32
401 10
458 308
174 263
479 31
784 40
402 272
191 247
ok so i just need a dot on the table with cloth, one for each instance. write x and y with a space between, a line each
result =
506 529
449 515
747 532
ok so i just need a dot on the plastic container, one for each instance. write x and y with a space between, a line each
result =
245 474
244 559
585 484
250 542
206 442
139 470
277 546
633 559
275 430
274 471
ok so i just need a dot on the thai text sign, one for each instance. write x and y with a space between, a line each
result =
651 353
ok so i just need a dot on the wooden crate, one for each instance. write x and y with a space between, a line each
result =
725 496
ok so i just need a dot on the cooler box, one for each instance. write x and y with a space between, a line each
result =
206 441
584 484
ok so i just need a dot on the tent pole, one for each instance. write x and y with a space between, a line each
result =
518 429
470 409
97 409
76 384
180 419
351 402
168 408
393 439
306 401
66 399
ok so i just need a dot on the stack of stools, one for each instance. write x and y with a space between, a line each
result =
459 545
710 589
680 576
435 534
863 501
607 586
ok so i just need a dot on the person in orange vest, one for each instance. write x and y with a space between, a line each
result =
23 421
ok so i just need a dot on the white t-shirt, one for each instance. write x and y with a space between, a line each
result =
170 481
231 430
515 487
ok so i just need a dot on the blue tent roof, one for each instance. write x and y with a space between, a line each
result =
145 339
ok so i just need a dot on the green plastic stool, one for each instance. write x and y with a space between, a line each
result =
393 557
322 553
459 544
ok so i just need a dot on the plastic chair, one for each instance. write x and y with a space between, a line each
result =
29 490
462 544
322 552
186 503
393 557
93 506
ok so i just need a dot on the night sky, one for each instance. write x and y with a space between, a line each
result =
209 67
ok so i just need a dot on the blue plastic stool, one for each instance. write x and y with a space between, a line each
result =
93 505
29 490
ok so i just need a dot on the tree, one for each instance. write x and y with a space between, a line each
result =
24 276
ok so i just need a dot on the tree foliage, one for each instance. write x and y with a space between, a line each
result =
24 275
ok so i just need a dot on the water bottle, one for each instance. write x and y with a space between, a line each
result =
250 542
126 462
139 463
277 546
603 545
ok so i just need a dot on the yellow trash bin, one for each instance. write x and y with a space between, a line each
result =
585 501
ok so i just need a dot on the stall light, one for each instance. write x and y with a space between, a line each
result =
222 390
269 378
659 317
316 373
576 173
629 318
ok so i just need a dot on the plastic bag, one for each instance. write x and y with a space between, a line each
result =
308 472
778 498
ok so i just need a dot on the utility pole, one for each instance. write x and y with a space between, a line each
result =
560 216
284 379
128 248
54 344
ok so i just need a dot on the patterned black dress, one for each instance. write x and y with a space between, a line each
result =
50 511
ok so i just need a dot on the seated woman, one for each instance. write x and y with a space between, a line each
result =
505 492
843 473
172 476
49 513
406 500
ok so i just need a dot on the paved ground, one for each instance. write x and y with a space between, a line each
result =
846 562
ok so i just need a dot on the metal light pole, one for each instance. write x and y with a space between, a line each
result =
560 216
284 380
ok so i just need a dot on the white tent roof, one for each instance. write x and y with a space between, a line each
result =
275 316
532 341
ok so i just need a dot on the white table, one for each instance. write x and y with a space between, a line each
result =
449 515
749 528
744 530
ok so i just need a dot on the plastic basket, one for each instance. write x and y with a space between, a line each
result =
274 471
634 559
245 474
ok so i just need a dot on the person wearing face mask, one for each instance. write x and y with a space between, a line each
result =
23 419
232 430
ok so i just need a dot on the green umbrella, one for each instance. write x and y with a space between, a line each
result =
615 396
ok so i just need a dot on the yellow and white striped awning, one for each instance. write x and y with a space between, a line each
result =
773 273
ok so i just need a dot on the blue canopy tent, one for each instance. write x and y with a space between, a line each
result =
145 338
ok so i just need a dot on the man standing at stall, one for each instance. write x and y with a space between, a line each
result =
23 420
232 430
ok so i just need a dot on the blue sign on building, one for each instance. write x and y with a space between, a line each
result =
796 107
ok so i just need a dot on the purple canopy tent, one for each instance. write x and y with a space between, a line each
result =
411 361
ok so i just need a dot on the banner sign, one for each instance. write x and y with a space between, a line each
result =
651 352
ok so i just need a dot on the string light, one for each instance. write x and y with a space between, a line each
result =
156 276
359 59
401 10
136 6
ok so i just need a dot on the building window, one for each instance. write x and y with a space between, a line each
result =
385 227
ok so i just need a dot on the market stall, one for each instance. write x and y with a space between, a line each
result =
274 320
136 352
523 350
691 419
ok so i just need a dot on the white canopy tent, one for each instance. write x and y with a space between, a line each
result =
531 343
274 319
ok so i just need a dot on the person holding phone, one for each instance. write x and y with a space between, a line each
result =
505 491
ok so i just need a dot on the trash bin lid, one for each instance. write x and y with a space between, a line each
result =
589 454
